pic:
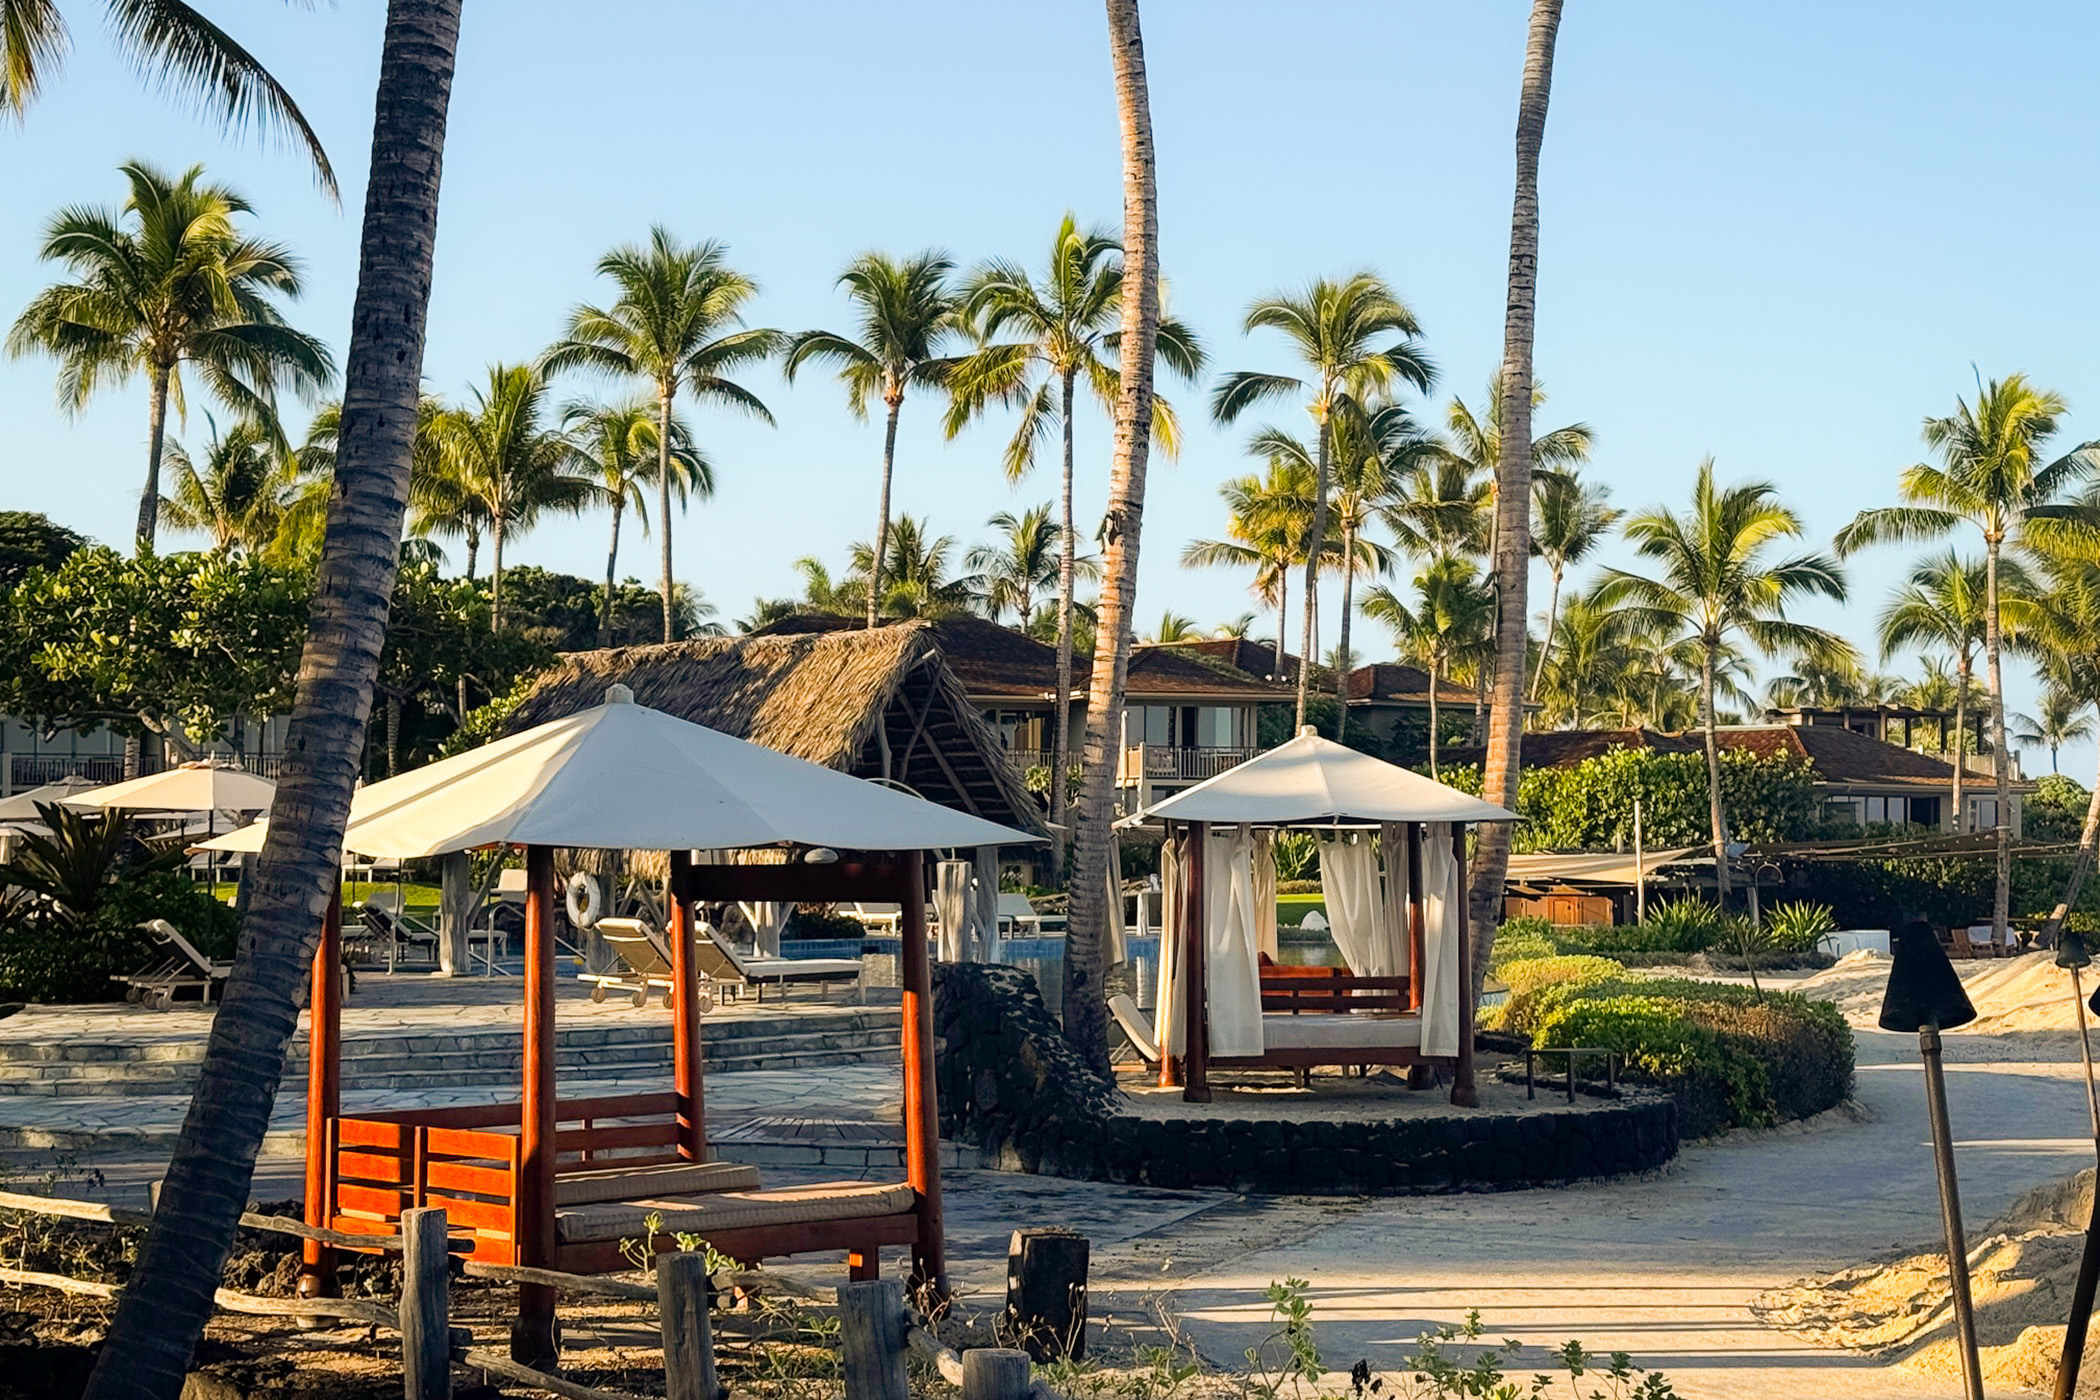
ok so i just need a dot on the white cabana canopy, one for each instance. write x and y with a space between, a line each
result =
192 787
1311 779
21 808
624 776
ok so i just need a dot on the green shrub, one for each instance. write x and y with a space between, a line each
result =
1798 927
1539 985
1520 945
1690 923
1297 856
50 959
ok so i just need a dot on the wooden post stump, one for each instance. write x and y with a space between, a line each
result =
689 1343
994 1373
871 1339
1046 1293
426 1306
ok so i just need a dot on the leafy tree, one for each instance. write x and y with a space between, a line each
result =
908 311
165 282
620 442
1333 327
1992 476
30 540
1715 584
678 322
435 495
560 612
441 651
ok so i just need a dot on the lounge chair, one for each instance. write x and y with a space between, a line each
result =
157 986
396 932
1018 919
720 960
646 962
1136 1027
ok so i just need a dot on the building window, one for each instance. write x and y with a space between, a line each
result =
1848 810
1983 813
1925 811
1151 725
1219 727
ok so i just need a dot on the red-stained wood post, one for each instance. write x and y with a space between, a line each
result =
324 1044
532 1335
685 1014
922 1128
1463 1092
1195 974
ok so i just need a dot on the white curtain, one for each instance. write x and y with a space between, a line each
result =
1392 853
1265 892
1115 949
984 902
951 905
1442 908
1167 1001
1232 973
767 919
1367 927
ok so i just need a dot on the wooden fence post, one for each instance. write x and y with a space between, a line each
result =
1046 1307
994 1373
689 1344
426 1306
871 1339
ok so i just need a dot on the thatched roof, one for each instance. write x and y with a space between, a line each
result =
874 704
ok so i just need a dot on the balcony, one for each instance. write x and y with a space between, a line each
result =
1143 764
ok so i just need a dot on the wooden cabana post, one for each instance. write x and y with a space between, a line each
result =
685 1014
1464 1092
324 1041
922 1132
532 1335
1194 973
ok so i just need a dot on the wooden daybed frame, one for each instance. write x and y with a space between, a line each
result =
1288 994
497 1169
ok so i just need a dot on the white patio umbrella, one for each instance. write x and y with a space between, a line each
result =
21 808
624 776
208 786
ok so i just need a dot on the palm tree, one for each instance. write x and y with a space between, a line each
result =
907 310
1011 573
1333 327
1449 623
1472 445
1570 518
2066 628
620 442
1267 517
168 1300
1057 331
179 48
1943 605
1510 564
1173 627
239 496
1715 585
1237 629
915 573
313 481
168 281
678 321
1991 475
1085 999
501 456
1590 653
2063 717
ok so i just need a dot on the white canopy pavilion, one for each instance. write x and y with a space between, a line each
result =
534 1192
1392 862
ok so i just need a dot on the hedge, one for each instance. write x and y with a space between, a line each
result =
1539 984
47 960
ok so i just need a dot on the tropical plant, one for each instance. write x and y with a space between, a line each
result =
168 1297
499 453
2066 630
169 41
917 580
1470 454
1449 621
239 495
1173 627
1334 328
2061 718
1038 340
1011 573
32 540
1570 518
1265 530
619 441
1715 584
1235 629
907 310
439 507
677 322
169 281
1085 997
1992 477
1797 927
1587 659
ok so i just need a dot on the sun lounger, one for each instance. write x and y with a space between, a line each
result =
157 986
719 959
645 962
394 931
1136 1027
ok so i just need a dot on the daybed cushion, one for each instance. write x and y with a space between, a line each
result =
617 1183
1339 1031
733 1210
771 969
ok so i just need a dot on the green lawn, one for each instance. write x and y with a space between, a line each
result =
1291 909
422 900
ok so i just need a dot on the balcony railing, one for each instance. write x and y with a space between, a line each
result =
1159 763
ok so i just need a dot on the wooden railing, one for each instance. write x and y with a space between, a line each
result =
1170 764
1330 989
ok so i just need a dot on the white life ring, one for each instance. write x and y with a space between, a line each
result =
586 900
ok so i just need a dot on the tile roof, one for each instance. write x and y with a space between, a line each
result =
1397 681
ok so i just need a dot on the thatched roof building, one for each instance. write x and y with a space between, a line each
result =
879 704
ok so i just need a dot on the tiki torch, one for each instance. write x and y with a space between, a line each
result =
2071 953
1925 995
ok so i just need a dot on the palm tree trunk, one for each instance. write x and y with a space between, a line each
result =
1085 1005
1341 671
2081 866
1436 683
393 734
496 574
473 552
1961 736
156 445
2001 773
1546 646
1717 817
882 514
168 1298
1067 568
663 496
1315 542
612 559
1513 490
1283 612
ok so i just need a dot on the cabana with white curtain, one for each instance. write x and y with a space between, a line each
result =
1392 864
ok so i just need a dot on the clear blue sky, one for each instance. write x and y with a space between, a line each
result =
1779 233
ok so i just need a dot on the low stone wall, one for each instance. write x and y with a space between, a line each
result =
1011 1087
